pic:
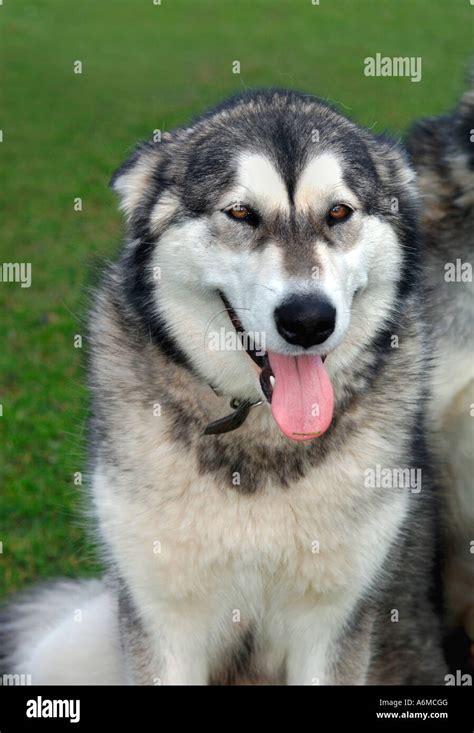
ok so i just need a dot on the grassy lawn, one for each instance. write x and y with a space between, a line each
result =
145 66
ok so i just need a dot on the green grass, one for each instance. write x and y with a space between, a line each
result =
145 67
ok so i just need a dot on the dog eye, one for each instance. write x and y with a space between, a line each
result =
339 212
242 213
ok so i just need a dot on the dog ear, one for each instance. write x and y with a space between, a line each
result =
136 176
394 166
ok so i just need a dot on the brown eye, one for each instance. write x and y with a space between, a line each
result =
339 212
239 212
242 213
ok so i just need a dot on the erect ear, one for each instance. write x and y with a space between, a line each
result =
134 178
393 165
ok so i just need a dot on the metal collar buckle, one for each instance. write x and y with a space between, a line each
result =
234 420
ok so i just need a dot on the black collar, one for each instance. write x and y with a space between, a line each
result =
234 420
241 407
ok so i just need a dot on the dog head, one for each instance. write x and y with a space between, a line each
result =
276 216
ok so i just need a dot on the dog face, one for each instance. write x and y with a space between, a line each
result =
275 215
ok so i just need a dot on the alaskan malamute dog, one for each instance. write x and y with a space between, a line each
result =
258 369
442 151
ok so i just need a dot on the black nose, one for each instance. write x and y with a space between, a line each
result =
305 320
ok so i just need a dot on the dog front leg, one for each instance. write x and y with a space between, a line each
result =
162 650
314 639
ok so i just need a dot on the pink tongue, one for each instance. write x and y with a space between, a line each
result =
303 400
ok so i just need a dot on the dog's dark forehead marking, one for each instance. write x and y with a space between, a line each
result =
295 235
286 127
289 130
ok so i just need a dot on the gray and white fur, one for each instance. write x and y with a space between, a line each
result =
442 152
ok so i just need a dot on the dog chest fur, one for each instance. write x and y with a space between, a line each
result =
186 533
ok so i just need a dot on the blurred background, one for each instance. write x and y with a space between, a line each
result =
146 65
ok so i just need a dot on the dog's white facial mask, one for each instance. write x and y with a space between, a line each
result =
212 254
